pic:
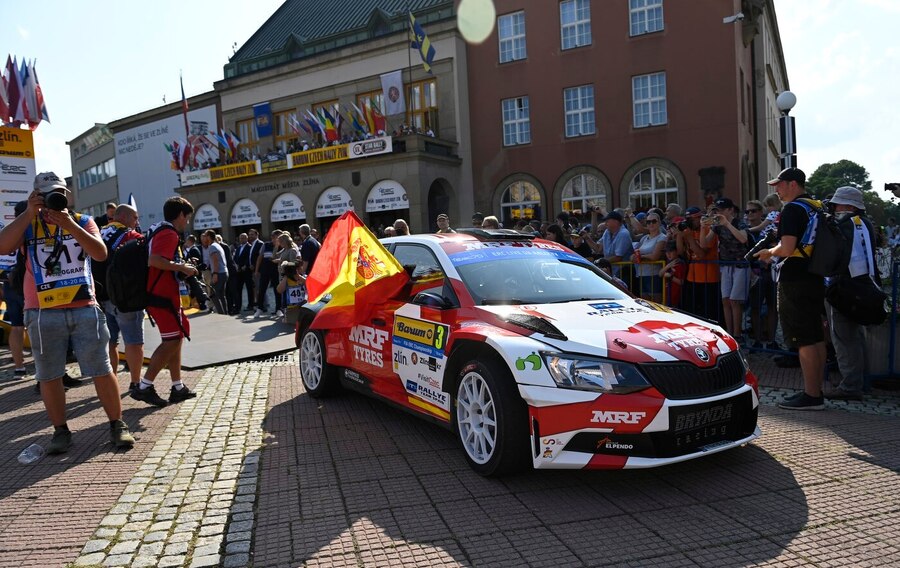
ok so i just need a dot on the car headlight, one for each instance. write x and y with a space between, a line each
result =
601 375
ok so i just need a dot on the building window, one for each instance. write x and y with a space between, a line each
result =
422 105
649 95
520 200
584 192
285 137
652 187
96 174
511 31
646 16
248 149
579 108
516 122
575 23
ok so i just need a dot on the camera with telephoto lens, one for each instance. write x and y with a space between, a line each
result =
766 242
194 287
55 199
683 225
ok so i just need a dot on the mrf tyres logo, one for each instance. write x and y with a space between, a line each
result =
367 344
617 416
705 417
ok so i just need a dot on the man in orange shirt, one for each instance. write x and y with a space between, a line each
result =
700 295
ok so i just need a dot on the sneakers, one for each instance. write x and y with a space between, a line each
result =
180 395
257 313
279 314
71 382
20 373
60 443
804 402
149 396
131 388
839 394
120 435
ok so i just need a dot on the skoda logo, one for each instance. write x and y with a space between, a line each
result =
702 354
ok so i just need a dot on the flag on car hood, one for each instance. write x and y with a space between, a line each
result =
356 270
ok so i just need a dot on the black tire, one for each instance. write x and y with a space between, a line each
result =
319 378
491 423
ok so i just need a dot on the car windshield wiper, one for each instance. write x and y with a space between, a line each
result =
500 302
579 300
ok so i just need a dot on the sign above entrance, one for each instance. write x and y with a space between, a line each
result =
288 207
386 195
206 217
334 201
245 212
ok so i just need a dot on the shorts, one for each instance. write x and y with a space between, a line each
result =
15 306
130 324
166 322
735 282
764 291
800 308
52 330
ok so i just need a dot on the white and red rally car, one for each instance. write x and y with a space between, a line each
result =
530 354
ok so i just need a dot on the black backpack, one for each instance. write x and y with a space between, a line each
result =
831 240
112 239
127 273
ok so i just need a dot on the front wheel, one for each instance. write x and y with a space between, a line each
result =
491 420
319 378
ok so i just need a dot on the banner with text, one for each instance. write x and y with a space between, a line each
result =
17 173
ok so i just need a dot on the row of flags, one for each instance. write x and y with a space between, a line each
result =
198 148
21 99
330 123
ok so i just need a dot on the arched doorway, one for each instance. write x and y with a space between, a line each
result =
387 201
439 202
205 217
287 213
244 216
332 203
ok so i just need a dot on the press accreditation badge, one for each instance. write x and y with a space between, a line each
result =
62 271
296 295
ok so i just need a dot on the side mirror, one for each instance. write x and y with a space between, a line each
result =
430 299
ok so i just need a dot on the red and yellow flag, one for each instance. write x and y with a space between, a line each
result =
356 270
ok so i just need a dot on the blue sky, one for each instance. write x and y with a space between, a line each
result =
101 60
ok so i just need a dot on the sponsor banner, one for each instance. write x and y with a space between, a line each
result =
195 177
370 147
319 156
387 195
206 217
333 202
17 173
426 337
274 165
262 117
288 207
245 212
232 171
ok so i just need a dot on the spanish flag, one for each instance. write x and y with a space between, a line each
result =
356 270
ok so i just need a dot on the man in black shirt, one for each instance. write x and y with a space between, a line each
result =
801 295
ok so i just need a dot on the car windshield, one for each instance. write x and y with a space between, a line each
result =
529 272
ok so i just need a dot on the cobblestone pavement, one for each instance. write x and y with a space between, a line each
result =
255 472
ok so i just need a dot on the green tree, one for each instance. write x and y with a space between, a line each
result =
829 177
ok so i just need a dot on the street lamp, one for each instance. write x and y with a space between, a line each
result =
785 102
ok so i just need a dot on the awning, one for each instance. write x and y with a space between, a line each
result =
245 212
386 195
206 217
333 202
287 207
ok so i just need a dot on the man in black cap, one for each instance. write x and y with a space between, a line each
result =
801 295
477 219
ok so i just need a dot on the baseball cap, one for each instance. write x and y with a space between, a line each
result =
847 195
692 211
443 216
478 215
641 216
724 203
789 174
48 181
614 216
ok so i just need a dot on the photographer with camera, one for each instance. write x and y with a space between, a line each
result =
166 266
131 324
60 305
700 295
731 233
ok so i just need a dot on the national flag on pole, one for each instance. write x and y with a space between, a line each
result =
339 118
359 119
369 116
4 99
29 96
331 133
354 121
39 95
378 120
356 270
14 90
184 107
421 43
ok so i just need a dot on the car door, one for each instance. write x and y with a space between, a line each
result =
420 327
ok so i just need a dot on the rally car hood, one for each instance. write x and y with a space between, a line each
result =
633 330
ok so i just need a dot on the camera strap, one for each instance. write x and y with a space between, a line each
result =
57 243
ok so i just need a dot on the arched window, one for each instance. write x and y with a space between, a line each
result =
652 187
584 192
521 200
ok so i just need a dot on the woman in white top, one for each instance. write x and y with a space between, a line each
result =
650 248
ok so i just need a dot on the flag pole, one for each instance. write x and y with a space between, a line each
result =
408 57
184 108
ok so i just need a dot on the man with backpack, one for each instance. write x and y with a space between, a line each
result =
847 333
60 305
167 267
801 293
130 324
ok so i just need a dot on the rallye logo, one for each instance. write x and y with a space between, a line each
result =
617 416
428 393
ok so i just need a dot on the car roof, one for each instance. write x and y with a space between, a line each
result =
463 235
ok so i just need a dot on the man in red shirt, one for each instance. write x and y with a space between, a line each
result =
60 305
163 282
